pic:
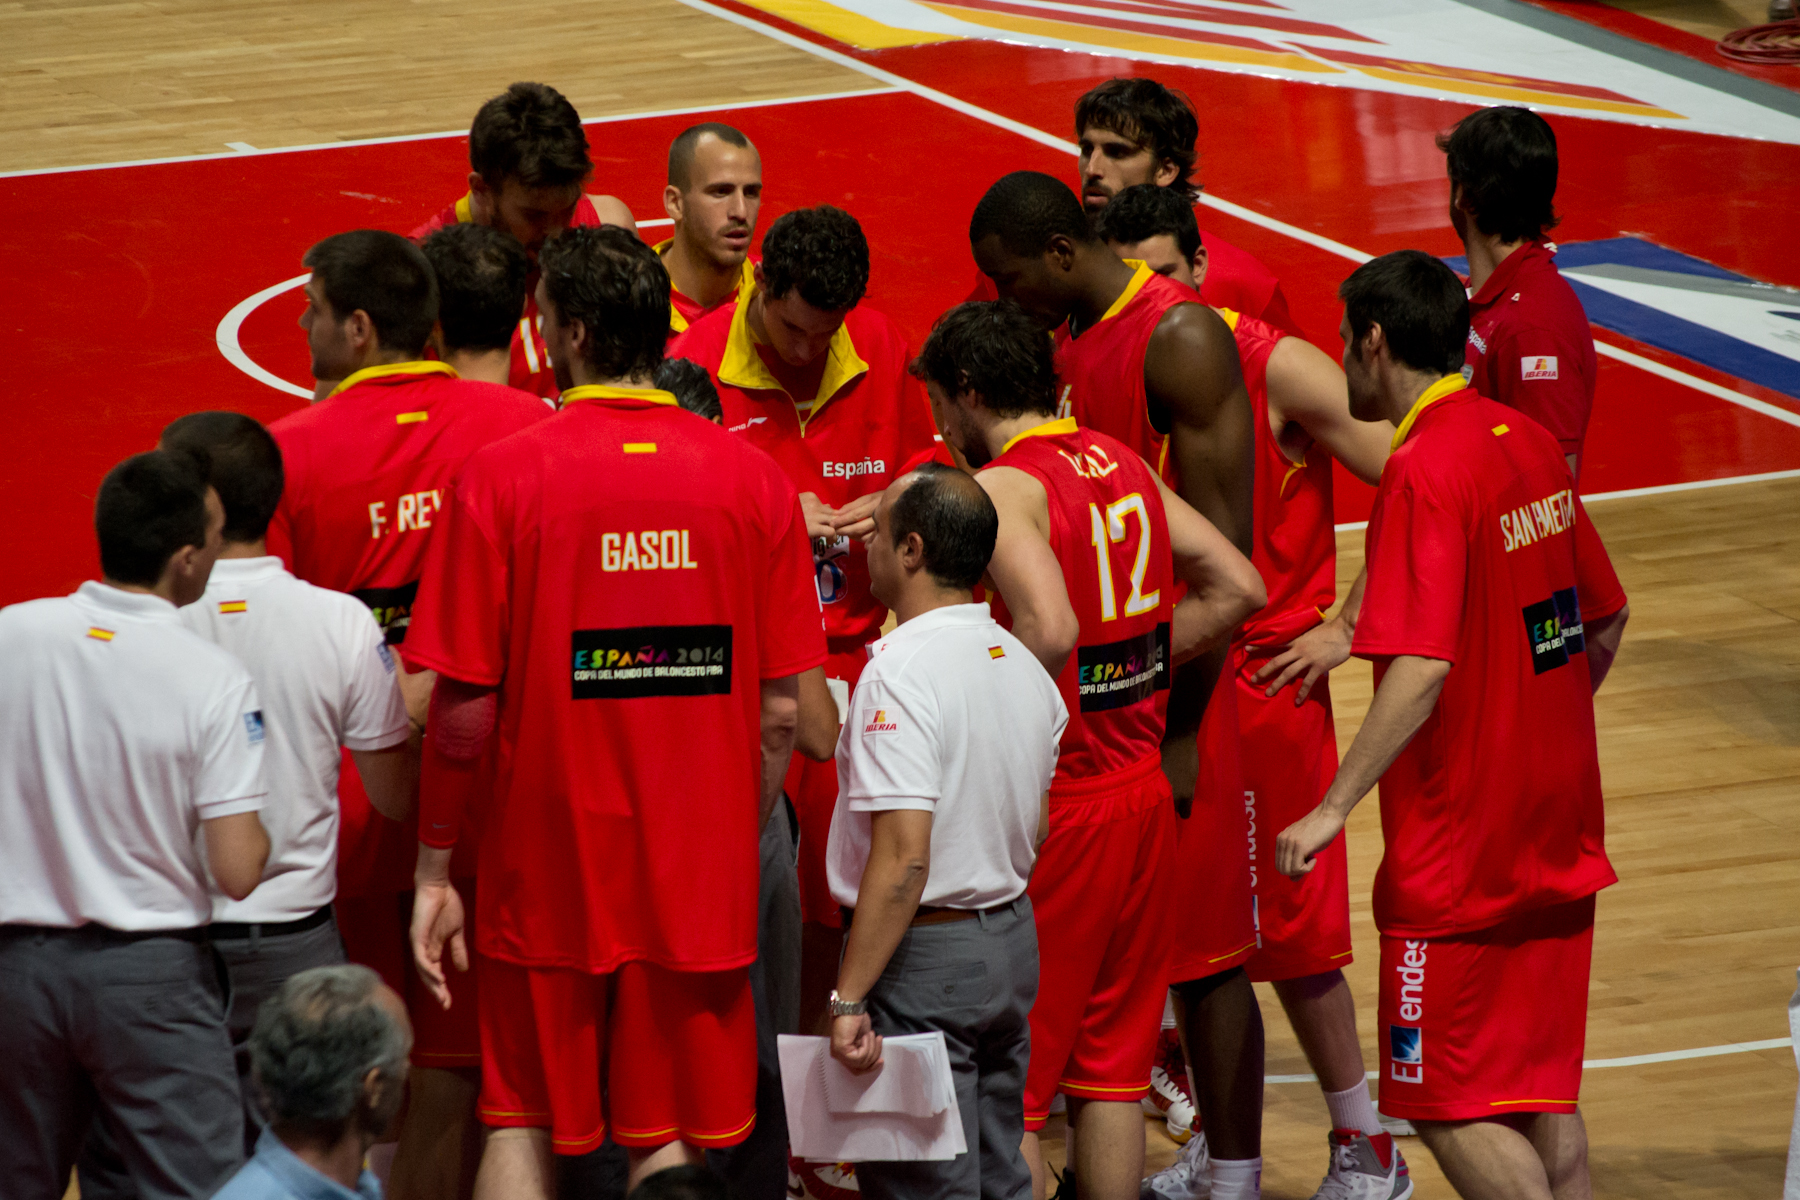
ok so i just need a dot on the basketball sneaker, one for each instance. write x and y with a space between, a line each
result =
1189 1177
1364 1168
1168 1096
822 1181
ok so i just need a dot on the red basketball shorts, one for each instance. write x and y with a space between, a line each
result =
1488 1022
377 934
1213 929
813 787
1099 892
1289 757
668 1055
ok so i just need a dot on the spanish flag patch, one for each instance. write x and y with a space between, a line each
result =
996 652
99 634
231 606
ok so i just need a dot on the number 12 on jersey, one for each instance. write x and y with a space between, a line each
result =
1109 527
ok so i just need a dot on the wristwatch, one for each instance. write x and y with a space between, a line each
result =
847 1008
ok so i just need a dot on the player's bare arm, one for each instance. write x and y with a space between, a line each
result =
1408 692
390 776
1603 637
780 718
1025 569
237 849
612 211
817 732
415 689
1307 389
463 717
1320 650
1224 588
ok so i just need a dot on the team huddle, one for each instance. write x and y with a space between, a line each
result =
554 688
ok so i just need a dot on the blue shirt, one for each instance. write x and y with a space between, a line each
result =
276 1173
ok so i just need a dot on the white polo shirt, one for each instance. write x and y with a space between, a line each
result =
955 717
326 678
120 731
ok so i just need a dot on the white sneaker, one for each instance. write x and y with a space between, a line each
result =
1189 1177
1364 1168
1397 1126
1168 1097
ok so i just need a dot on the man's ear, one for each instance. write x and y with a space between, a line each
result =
672 203
1166 171
1373 342
1061 251
360 330
479 186
577 332
1199 265
911 551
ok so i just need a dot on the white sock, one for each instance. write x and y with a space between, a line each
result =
1169 1011
1352 1109
1237 1179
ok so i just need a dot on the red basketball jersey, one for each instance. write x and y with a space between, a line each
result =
1102 370
1295 546
530 358
1109 532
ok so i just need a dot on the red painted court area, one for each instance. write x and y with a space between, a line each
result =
121 276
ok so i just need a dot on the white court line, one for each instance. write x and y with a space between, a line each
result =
227 337
1634 1060
1658 490
251 151
1322 242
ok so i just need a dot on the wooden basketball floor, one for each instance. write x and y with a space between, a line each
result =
1699 724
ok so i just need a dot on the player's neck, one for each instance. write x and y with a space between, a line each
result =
697 277
1402 389
486 366
1485 256
580 375
1005 429
257 549
1106 279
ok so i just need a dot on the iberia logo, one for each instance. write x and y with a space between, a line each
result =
1542 366
880 723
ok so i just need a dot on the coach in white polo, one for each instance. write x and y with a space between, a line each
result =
327 681
130 769
944 770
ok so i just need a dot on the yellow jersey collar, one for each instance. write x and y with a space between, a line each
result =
1230 317
741 366
601 391
465 212
1054 428
1448 385
1140 276
746 285
416 367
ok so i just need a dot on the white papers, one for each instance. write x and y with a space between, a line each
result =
903 1111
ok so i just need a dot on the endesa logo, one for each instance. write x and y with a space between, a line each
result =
1406 1044
855 469
879 723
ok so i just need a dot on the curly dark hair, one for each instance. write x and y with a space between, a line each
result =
1505 159
1027 209
994 350
1145 211
481 273
531 133
822 252
691 386
1151 115
617 287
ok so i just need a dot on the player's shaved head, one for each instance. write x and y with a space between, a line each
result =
1148 114
956 522
1144 211
615 286
1025 210
994 350
682 149
244 466
381 274
530 133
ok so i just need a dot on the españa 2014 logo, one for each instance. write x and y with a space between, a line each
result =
649 660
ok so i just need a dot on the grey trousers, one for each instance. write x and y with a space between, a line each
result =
127 1034
756 1169
975 980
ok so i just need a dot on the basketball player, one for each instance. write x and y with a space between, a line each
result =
713 196
368 469
618 887
481 274
528 161
1090 545
1492 614
1530 345
818 379
1289 746
1149 366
